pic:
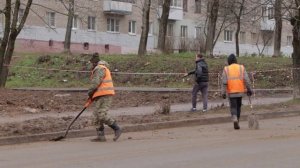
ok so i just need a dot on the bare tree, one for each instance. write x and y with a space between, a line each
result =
266 38
67 42
237 10
278 27
295 21
145 28
163 22
241 13
213 7
13 26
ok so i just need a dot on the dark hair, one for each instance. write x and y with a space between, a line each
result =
199 55
231 59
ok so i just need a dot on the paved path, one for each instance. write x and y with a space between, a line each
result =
143 89
142 110
276 145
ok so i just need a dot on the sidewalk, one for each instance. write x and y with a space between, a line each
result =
145 110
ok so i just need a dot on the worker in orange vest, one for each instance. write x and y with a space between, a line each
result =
235 83
101 93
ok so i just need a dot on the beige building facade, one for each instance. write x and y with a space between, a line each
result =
114 26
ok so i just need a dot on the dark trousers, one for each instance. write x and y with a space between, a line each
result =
203 87
235 106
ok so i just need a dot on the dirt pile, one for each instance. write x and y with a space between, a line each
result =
52 111
15 104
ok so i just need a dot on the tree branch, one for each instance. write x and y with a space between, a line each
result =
49 9
43 20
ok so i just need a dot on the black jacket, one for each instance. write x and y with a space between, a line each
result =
201 71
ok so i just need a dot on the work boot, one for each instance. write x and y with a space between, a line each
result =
236 125
100 135
117 129
235 122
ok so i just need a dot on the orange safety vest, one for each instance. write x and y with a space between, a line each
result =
235 78
106 87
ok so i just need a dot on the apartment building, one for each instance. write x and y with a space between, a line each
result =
114 26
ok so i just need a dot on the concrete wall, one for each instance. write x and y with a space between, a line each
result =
36 37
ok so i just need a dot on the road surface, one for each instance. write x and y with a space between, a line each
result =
275 145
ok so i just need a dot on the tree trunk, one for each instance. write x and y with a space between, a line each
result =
296 53
163 23
238 27
8 56
67 43
4 41
278 28
145 28
237 42
12 29
211 27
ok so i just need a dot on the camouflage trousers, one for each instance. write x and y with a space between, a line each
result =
101 117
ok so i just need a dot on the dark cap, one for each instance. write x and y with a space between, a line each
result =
95 58
231 59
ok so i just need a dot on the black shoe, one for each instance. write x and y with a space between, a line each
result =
236 125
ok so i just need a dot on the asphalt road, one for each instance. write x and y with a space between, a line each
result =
275 145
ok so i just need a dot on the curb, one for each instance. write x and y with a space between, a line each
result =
139 127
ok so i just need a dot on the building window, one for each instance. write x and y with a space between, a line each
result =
3 21
185 5
183 31
150 28
128 1
197 6
253 38
113 25
20 14
255 15
289 40
242 37
228 35
176 3
85 45
270 13
75 22
131 28
264 11
197 32
170 29
91 23
51 19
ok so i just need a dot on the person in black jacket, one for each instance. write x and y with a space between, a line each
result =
201 82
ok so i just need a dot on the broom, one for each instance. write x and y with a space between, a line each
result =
252 118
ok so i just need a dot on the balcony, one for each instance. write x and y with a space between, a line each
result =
176 13
117 7
267 24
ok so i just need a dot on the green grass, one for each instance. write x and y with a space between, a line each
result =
173 63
